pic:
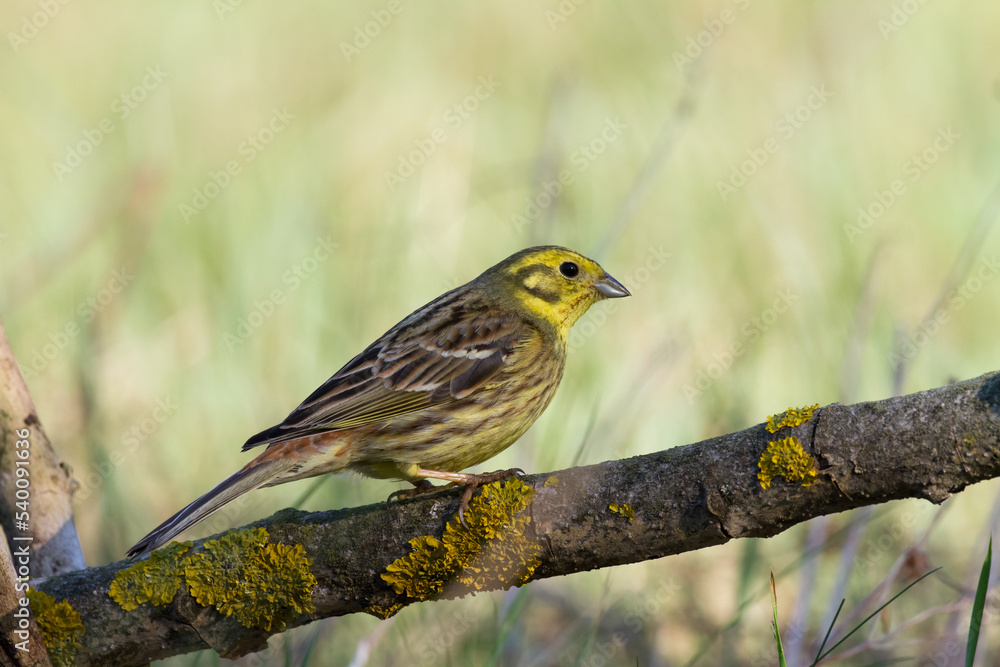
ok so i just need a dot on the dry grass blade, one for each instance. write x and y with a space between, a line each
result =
774 625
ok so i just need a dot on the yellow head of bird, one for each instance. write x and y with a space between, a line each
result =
554 284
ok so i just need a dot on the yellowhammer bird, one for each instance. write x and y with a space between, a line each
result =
452 385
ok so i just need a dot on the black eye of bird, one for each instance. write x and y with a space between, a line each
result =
569 269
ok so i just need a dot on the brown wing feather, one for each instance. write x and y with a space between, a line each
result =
442 352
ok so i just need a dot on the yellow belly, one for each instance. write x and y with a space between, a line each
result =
465 432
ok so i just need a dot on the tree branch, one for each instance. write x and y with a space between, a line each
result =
926 445
32 473
20 638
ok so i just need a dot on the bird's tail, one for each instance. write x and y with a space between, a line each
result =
256 474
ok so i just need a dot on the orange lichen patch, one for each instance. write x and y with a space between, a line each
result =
494 552
240 574
622 510
155 580
790 417
786 458
60 625
243 575
424 572
383 612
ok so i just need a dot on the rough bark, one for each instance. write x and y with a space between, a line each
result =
926 445
54 545
20 639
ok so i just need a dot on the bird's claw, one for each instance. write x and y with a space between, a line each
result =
463 504
475 481
486 478
397 495
419 488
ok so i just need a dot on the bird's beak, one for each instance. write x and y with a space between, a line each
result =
611 288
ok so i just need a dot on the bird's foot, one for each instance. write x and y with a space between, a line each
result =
485 478
469 481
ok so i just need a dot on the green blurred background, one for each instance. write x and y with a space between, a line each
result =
208 208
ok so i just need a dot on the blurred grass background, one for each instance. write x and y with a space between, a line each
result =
224 316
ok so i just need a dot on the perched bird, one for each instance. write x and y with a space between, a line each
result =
452 385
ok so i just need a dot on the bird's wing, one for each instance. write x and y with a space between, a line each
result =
442 352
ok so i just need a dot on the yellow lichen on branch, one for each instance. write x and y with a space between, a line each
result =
494 552
622 510
60 624
790 417
786 458
383 612
241 574
155 580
